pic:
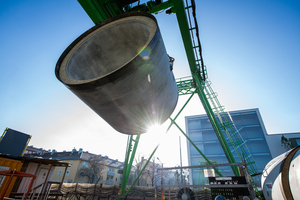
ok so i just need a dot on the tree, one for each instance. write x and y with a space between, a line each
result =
158 175
177 177
92 170
150 176
140 162
185 176
181 179
285 143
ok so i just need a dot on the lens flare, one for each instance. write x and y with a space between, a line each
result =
145 52
153 109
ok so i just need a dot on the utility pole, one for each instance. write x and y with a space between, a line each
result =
162 183
180 161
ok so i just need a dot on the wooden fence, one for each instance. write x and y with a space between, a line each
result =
77 191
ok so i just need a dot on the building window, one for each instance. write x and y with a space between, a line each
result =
111 169
109 178
3 168
71 162
82 174
69 180
67 173
59 173
85 164
116 179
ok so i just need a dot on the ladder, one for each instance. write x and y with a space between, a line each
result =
230 132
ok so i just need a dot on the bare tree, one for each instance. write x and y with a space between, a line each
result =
139 164
177 177
181 176
285 143
93 170
151 176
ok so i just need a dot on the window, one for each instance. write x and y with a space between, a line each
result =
194 124
69 180
109 178
250 118
59 173
254 131
3 168
111 169
71 162
67 173
82 174
85 164
116 179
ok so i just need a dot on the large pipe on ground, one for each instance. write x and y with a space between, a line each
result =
121 70
281 177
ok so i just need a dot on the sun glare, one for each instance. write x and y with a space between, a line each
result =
155 129
156 134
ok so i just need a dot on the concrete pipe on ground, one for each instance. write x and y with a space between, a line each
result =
281 177
121 70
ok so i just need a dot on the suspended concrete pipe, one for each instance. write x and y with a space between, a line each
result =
121 70
281 177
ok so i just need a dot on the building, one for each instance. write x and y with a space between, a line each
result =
274 142
33 150
152 176
82 164
35 166
251 128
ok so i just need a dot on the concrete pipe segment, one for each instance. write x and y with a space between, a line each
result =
121 70
281 177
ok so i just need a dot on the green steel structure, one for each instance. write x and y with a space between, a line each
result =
100 10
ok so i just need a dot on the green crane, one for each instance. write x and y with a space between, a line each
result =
230 140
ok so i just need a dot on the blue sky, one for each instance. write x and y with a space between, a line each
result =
251 49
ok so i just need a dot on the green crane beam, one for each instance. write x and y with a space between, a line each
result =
100 10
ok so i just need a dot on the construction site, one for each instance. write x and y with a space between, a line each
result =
121 70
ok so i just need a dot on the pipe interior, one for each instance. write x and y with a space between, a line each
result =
107 50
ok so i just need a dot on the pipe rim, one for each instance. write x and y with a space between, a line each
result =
60 69
285 173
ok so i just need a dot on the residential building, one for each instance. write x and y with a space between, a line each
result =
81 163
251 129
151 176
33 150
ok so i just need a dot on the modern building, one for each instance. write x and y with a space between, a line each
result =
275 144
252 131
81 163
